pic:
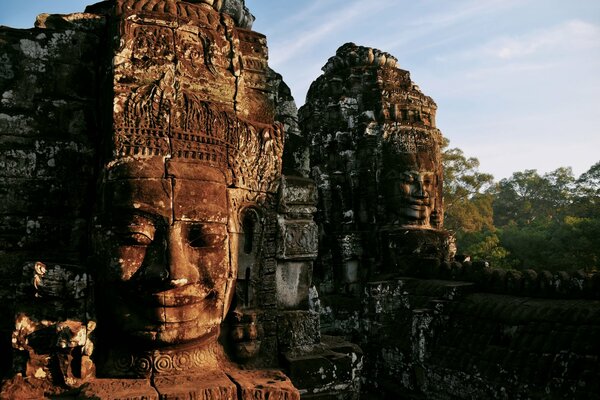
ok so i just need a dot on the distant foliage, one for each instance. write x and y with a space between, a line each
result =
468 206
543 222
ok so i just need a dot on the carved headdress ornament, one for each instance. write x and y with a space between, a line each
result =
178 90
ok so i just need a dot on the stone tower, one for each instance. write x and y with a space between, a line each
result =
375 157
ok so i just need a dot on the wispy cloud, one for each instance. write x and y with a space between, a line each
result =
567 38
308 12
574 35
462 11
522 60
322 26
437 24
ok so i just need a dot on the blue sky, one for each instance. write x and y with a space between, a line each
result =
517 82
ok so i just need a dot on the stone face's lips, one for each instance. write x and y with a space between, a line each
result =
418 205
202 311
150 329
178 297
185 295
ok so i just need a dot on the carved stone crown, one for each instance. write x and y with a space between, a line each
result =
350 55
188 8
411 141
178 92
200 132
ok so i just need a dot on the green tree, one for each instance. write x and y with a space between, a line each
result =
527 196
468 208
485 245
549 221
590 180
587 189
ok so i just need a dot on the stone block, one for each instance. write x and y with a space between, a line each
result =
349 394
293 282
413 251
48 236
17 163
321 368
15 124
297 328
263 385
297 195
45 159
211 385
42 197
297 240
118 389
47 64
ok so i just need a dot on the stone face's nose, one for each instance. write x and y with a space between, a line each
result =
180 266
418 189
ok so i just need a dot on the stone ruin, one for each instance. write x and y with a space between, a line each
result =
376 160
172 227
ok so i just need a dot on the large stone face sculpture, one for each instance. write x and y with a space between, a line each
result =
182 165
375 154
189 160
165 275
409 181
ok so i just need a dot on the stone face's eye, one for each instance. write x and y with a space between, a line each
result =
135 239
203 236
197 237
138 231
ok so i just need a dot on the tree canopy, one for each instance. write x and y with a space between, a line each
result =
549 221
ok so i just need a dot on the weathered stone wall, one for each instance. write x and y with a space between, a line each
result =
48 112
446 340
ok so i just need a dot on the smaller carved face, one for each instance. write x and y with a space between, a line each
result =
410 196
245 334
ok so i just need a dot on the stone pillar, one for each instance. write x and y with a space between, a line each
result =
297 249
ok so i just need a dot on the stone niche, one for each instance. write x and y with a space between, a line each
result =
151 245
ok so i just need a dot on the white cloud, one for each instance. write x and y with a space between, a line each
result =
437 24
523 63
322 27
570 36
558 42
461 12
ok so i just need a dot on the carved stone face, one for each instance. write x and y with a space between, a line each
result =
411 196
165 273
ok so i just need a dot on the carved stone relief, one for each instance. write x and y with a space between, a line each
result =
375 157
